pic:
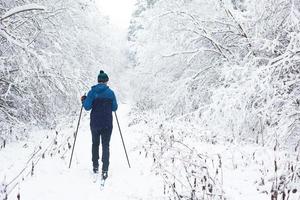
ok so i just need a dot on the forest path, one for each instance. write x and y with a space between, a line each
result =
53 179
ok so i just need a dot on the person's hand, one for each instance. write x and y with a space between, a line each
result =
83 98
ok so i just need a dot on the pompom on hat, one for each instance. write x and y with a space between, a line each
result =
102 77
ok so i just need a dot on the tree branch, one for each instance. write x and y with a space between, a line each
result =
20 9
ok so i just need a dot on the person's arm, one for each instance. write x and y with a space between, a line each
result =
88 102
114 102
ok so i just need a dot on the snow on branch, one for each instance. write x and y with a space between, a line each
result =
19 9
190 52
181 53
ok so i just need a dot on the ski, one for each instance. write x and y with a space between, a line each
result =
102 180
102 183
95 177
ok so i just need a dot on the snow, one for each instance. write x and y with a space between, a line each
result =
243 166
53 179
198 127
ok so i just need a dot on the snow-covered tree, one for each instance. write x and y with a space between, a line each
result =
231 67
50 52
192 51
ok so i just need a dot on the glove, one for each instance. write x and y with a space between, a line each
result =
83 98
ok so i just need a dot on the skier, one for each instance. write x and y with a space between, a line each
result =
102 101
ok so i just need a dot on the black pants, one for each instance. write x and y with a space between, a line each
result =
105 134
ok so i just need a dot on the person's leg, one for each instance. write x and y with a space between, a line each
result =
95 149
105 139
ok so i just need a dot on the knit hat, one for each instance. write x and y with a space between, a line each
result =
102 77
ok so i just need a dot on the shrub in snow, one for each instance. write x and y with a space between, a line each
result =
176 157
3 192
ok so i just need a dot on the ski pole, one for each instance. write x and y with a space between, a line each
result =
75 136
122 139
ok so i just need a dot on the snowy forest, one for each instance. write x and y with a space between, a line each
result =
208 94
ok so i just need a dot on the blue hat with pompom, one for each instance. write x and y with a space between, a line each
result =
102 77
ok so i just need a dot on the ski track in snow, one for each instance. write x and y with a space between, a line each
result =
53 180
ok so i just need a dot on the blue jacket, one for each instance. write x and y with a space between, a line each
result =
102 100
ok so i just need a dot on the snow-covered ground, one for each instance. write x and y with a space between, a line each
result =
42 162
52 179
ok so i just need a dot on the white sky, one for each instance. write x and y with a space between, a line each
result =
119 11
